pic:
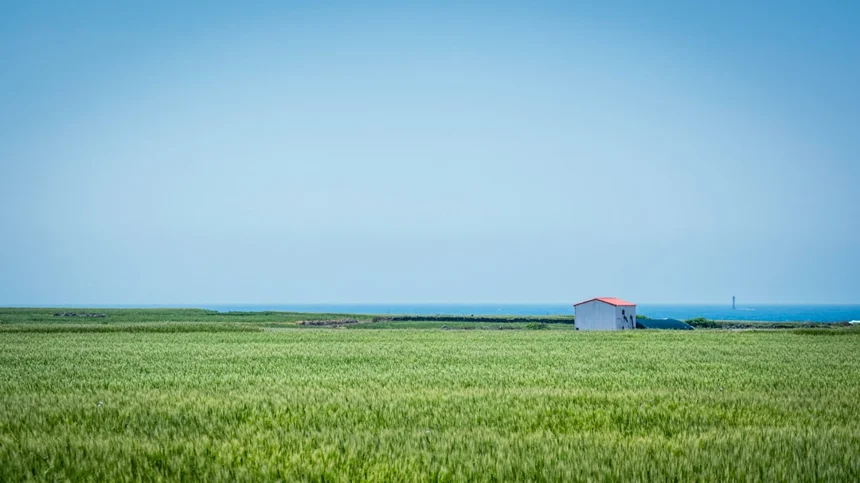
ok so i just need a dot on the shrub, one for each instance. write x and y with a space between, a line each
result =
702 322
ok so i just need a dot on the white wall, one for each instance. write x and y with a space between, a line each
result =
595 315
628 312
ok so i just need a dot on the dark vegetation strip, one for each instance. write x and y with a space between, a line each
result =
703 323
472 318
165 327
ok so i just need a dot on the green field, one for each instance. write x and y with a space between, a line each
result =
160 394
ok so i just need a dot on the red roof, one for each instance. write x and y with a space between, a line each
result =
608 300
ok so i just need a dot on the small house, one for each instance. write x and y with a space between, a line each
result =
605 313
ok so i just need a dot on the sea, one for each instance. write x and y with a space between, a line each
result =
771 313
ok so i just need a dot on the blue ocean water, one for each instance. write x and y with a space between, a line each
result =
773 313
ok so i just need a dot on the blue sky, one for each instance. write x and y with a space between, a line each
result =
208 152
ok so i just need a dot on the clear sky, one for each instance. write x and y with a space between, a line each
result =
158 153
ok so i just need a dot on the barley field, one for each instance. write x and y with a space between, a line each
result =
156 396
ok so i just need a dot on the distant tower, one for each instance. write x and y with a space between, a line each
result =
733 302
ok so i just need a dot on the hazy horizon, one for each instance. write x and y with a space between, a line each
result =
162 153
413 303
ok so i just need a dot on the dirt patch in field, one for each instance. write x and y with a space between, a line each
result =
78 314
327 322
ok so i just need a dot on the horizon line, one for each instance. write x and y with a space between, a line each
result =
249 304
